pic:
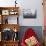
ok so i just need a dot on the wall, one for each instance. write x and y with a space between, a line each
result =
32 4
7 3
27 4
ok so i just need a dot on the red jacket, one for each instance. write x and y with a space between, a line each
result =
29 33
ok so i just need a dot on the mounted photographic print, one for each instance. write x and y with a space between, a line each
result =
5 12
29 13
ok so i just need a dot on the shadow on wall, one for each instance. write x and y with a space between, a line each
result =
37 29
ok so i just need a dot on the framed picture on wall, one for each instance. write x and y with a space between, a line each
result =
29 13
5 12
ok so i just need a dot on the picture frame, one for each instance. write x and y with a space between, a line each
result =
13 12
29 13
5 12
